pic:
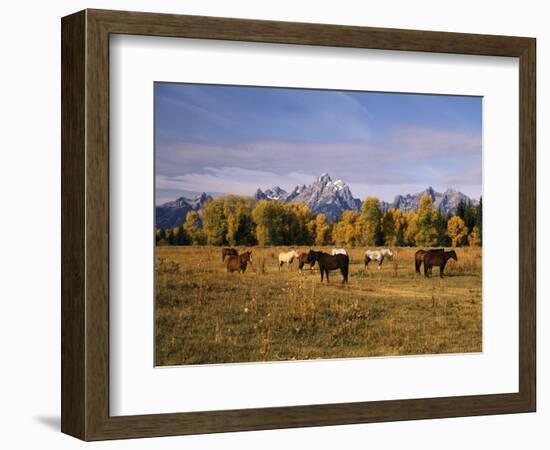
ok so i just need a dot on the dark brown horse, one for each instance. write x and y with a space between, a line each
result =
437 259
330 262
302 261
238 263
419 257
226 251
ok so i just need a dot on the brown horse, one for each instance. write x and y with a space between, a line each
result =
437 259
302 261
419 257
330 262
238 263
228 252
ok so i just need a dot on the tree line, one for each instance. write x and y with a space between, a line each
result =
236 220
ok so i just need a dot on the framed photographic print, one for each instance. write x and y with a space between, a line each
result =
271 225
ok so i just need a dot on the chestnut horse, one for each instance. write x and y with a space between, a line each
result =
228 252
419 257
330 262
437 259
238 263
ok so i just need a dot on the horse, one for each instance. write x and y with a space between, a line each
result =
228 252
302 261
419 257
238 263
437 259
287 258
339 251
330 262
377 255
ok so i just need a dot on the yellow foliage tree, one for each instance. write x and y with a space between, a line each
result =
410 219
474 239
456 230
193 230
426 233
322 230
348 230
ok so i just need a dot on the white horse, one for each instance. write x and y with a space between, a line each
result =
377 255
339 251
287 258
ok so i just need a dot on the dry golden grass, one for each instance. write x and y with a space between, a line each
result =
205 315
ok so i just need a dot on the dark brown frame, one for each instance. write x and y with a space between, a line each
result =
85 224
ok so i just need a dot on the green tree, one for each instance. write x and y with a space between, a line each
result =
371 222
160 236
479 220
214 222
393 227
441 226
426 234
269 217
297 218
237 211
171 238
180 236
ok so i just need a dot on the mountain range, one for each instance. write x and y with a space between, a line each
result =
324 195
174 213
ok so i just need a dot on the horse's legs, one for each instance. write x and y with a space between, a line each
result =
380 261
426 270
441 269
344 271
322 273
326 273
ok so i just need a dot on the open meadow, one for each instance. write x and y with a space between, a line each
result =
205 315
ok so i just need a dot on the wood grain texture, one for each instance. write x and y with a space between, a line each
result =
73 318
85 224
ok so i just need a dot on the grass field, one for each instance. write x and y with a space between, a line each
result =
205 315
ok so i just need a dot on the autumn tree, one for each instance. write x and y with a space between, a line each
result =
393 227
297 218
214 222
192 227
410 219
348 231
474 239
270 224
370 222
426 234
322 230
456 230
237 211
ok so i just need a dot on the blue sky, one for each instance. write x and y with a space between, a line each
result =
235 139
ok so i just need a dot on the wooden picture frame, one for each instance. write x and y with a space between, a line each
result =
85 224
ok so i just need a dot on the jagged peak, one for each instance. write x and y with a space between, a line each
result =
324 177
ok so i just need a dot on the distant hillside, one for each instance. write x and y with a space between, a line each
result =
173 214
